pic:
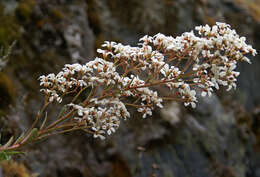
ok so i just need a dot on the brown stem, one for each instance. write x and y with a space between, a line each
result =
151 84
61 119
188 63
61 132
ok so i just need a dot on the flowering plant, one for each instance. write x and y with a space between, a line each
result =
99 92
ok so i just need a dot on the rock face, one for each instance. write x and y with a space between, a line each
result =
221 138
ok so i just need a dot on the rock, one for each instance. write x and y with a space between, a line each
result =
208 141
171 113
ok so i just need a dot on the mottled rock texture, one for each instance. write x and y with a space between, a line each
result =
220 138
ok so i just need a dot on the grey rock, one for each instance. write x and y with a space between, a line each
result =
205 142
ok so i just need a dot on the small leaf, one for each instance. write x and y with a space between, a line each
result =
19 139
31 136
62 111
8 143
7 155
14 152
44 121
4 156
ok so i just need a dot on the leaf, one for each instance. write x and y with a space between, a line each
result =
31 136
8 143
76 97
14 152
3 156
44 121
62 110
19 139
7 155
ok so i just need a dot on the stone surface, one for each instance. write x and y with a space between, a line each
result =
210 141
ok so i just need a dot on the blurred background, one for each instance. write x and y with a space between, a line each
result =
220 138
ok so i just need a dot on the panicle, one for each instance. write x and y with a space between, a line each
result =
185 65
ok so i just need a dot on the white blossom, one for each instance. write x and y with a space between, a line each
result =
185 65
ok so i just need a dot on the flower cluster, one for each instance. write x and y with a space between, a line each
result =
127 76
103 116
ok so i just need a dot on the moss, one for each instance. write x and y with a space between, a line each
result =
14 169
9 29
25 10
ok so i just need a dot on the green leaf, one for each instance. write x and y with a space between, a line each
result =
14 152
3 156
7 155
44 121
8 143
31 136
20 138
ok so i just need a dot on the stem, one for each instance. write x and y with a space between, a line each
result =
150 84
61 132
173 98
60 120
76 97
134 105
38 116
92 92
56 128
41 135
13 147
188 63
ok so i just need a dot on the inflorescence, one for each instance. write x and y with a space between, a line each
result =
126 76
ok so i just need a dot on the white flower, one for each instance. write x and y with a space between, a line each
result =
145 110
184 64
108 45
146 39
98 133
207 91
